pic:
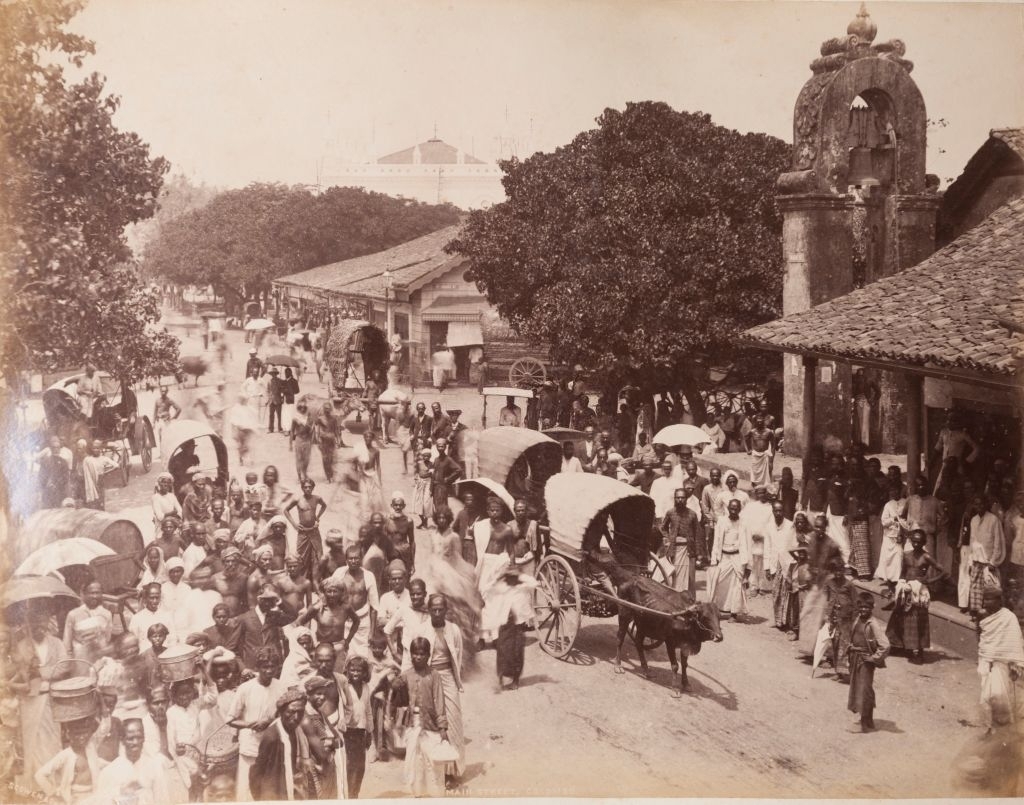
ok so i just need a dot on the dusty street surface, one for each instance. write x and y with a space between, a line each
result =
754 722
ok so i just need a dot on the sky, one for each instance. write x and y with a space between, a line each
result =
237 91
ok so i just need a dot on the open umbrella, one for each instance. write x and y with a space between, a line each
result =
681 435
282 360
62 553
21 589
259 324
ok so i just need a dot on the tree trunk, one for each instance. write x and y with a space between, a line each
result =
694 400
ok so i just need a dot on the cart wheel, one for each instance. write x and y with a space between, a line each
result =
557 606
146 454
124 458
527 373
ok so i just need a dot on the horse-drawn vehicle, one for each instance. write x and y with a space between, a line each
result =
115 421
192 446
578 503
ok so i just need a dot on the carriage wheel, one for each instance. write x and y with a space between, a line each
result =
146 442
656 572
146 454
556 605
124 458
527 373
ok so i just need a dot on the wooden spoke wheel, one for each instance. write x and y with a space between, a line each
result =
556 605
656 572
122 454
527 373
145 441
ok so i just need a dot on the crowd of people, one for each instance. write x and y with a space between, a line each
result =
316 652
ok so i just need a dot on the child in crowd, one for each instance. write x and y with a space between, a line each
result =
383 671
867 651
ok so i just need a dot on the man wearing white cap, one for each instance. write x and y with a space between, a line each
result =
88 628
174 594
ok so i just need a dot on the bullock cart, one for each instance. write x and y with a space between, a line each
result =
578 505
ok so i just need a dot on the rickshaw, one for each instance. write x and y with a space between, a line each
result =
519 459
575 502
485 487
355 351
115 421
189 443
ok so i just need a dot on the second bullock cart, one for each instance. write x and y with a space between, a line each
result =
579 504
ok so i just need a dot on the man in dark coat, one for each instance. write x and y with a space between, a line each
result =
445 473
261 627
283 769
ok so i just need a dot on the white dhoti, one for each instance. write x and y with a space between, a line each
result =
812 616
360 645
837 532
963 581
242 792
725 585
421 773
490 570
761 467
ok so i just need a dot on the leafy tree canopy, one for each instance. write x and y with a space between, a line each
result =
241 240
640 249
70 182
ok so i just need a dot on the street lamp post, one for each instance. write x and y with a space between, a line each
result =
389 283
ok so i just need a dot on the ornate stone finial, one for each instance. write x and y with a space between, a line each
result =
862 26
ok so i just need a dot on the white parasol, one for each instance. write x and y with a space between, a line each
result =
62 553
681 435
259 324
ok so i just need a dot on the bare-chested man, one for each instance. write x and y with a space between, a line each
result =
363 597
264 557
335 558
296 589
169 540
331 615
761 447
325 660
231 582
309 546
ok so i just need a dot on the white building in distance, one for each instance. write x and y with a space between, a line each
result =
433 172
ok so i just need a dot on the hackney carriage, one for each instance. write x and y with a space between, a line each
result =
115 421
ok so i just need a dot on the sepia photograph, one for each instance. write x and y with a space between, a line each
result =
511 399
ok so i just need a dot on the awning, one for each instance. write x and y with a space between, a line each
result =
456 308
464 334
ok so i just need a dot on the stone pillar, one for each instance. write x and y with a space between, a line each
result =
914 411
817 243
810 375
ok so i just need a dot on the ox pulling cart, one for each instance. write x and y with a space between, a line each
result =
577 504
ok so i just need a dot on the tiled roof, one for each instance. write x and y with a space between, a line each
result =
364 276
1012 137
944 312
432 152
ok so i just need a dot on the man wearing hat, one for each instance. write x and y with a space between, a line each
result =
88 628
275 394
231 582
260 628
253 363
283 768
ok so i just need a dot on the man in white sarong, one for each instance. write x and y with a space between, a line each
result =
492 538
761 449
756 515
1001 663
730 563
663 490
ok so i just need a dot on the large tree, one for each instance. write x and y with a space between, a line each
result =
70 181
640 249
243 239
